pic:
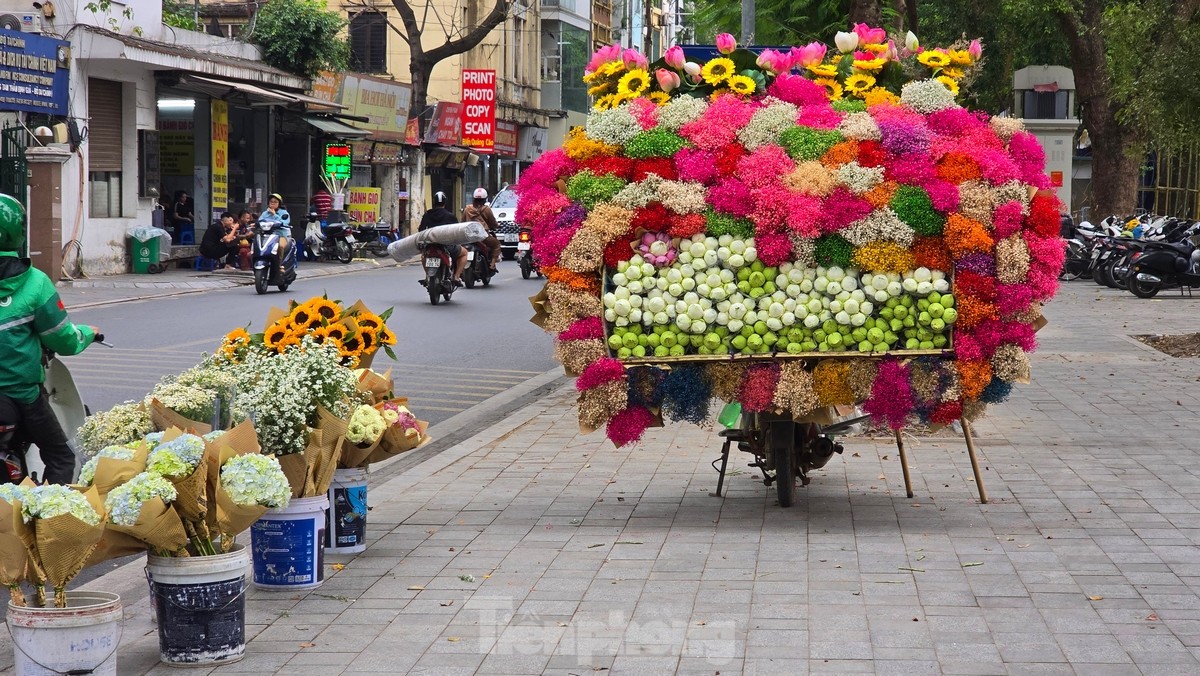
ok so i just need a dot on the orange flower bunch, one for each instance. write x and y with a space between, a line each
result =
881 195
586 283
974 376
964 236
930 252
957 168
972 311
831 382
841 153
883 257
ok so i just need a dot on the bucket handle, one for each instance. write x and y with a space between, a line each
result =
80 672
235 599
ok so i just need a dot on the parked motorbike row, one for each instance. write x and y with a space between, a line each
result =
439 266
1144 255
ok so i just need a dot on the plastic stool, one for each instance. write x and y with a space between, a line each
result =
187 237
206 264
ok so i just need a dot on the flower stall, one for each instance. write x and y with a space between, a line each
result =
792 231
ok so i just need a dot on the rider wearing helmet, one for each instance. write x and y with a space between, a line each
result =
277 214
32 318
478 210
440 214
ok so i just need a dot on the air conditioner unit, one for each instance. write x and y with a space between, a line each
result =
21 21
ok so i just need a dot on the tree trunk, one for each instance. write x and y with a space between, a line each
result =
869 12
421 71
1117 149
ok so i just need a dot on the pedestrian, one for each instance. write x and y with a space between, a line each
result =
322 203
220 241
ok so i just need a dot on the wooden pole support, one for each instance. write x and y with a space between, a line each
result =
904 464
966 426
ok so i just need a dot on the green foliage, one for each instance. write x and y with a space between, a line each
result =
834 250
178 14
913 206
657 142
776 22
301 37
724 224
589 189
806 143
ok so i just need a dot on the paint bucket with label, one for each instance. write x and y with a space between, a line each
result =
346 531
289 545
201 606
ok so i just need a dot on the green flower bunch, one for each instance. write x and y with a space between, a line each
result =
124 503
913 206
589 189
51 500
366 425
657 142
806 143
255 479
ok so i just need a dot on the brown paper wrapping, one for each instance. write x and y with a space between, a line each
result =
378 386
14 558
158 526
164 419
230 518
111 472
241 440
389 449
114 545
274 315
321 455
541 308
64 543
354 455
191 498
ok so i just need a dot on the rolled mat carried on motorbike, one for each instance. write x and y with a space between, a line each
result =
456 233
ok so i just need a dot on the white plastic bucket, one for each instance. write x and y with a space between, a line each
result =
346 531
81 638
289 545
201 606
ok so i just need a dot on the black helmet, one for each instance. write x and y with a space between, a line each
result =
440 199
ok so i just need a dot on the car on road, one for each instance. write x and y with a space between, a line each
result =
504 206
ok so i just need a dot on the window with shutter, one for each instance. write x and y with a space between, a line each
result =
105 145
368 42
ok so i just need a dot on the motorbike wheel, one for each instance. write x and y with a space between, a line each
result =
344 253
486 278
1098 274
783 451
1143 289
468 277
1120 274
434 296
378 249
525 268
260 280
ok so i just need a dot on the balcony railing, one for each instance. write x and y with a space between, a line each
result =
568 5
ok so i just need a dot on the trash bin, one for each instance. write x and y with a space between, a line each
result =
143 255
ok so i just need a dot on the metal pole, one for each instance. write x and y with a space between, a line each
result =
904 464
747 22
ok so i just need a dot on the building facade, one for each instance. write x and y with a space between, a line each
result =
567 44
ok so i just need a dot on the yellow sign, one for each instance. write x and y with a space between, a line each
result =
220 154
364 204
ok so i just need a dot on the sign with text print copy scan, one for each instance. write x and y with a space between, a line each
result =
479 110
220 154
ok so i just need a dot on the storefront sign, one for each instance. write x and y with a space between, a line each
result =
446 127
479 110
532 145
220 154
176 147
384 103
506 138
336 164
364 204
33 73
372 152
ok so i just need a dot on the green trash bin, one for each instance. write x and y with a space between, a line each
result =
144 255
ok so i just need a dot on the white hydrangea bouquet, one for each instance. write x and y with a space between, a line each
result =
58 527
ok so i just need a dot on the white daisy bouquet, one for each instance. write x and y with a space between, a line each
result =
120 425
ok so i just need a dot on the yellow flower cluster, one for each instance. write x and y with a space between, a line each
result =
721 73
356 332
948 66
612 84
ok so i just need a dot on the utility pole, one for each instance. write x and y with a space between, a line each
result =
747 22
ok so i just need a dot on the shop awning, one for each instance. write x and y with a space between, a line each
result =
256 93
335 128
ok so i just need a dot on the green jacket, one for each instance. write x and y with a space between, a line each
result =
31 317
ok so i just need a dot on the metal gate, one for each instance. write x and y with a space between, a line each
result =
14 171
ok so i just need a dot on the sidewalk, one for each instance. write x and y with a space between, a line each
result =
530 548
96 291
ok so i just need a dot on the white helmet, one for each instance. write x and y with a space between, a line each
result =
480 194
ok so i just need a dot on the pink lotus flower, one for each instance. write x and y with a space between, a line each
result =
811 54
892 53
634 59
603 56
674 57
975 49
773 61
667 79
726 43
869 36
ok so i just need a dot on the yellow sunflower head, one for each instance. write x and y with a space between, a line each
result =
368 320
740 85
301 315
386 337
319 335
717 70
634 82
960 57
273 335
950 83
877 47
871 65
600 89
879 95
337 331
659 98
287 342
611 68
324 308
823 70
237 337
859 83
832 88
369 339
622 97
352 346
954 72
605 102
933 59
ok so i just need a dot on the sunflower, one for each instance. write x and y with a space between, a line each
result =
832 88
741 85
591 77
933 59
273 335
237 338
610 69
879 95
325 308
605 102
954 72
302 315
960 57
871 65
877 48
288 341
859 83
369 340
634 82
600 89
717 70
950 83
620 98
386 337
352 346
337 331
823 70
320 335
660 98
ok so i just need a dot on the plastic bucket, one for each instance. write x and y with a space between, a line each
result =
346 530
201 607
81 638
289 545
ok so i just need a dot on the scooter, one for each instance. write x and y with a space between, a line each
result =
439 273
479 267
1167 266
525 253
336 243
265 254
19 458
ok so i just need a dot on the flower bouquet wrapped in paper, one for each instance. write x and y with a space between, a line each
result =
14 558
112 466
402 431
141 508
59 526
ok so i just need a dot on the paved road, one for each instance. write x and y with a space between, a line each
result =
451 357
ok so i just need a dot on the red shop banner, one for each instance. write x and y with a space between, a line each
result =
479 110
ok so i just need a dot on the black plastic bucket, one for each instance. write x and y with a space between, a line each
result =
201 605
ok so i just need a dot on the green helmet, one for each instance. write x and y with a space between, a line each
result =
12 224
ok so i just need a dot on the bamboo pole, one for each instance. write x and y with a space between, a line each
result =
904 464
966 426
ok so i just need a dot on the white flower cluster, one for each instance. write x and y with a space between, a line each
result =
679 111
193 403
189 448
860 126
255 479
366 425
124 503
121 424
87 474
767 124
859 179
881 225
10 493
51 500
615 126
926 96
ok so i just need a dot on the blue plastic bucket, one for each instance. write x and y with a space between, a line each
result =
288 545
346 532
201 606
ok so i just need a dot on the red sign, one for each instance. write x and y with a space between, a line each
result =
1056 179
506 138
479 110
446 128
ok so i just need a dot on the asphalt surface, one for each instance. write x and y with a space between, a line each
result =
450 357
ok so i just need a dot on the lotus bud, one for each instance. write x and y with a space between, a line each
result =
726 43
911 42
811 54
846 42
634 59
667 80
975 49
674 57
868 35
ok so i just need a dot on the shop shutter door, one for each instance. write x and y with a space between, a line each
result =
105 116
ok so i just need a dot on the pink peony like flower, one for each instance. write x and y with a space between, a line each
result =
774 248
603 56
696 165
667 80
868 35
599 372
628 426
674 57
891 397
634 59
841 209
1006 220
798 90
764 166
726 43
731 196
811 54
804 215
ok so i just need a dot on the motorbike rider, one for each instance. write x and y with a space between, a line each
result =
440 214
275 213
479 211
32 318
